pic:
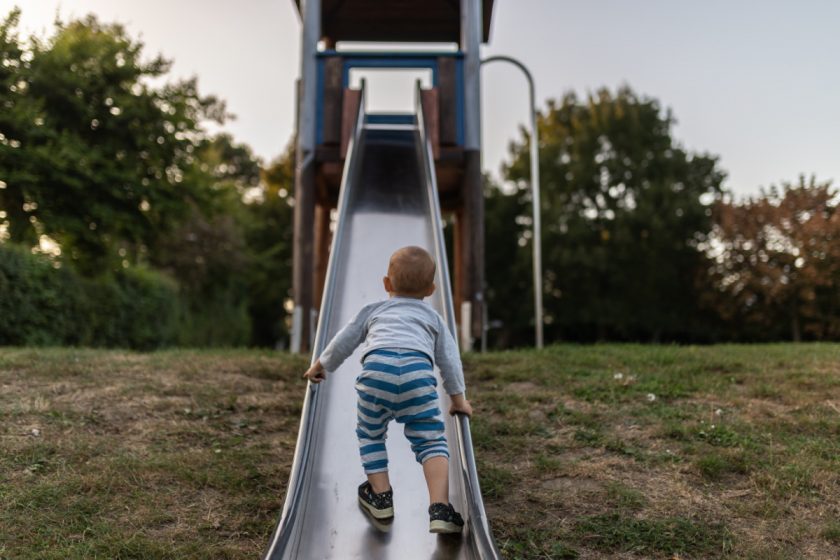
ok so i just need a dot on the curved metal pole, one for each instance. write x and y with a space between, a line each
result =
535 197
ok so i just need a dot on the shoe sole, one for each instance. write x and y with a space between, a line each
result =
443 527
382 525
377 513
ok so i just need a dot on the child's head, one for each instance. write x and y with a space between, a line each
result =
411 273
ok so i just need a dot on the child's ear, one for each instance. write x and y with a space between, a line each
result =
387 283
431 289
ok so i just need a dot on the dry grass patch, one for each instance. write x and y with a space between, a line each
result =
122 455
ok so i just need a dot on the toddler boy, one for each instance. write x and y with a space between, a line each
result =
404 338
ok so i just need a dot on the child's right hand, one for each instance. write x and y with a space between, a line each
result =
316 373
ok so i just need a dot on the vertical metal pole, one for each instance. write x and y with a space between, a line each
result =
466 326
484 328
303 243
535 197
535 207
472 282
308 73
471 29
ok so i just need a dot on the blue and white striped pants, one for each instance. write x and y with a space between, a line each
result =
398 384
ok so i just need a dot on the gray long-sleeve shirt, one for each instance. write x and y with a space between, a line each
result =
399 322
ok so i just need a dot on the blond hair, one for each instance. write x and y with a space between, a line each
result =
412 271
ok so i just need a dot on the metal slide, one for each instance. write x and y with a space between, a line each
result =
388 200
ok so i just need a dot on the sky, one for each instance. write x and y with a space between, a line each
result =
755 82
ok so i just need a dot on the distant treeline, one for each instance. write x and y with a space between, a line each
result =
123 222
641 243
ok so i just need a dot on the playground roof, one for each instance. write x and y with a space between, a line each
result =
396 20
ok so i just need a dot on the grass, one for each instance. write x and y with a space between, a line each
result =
672 535
608 451
122 455
661 451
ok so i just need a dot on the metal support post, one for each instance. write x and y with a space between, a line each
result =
535 197
303 242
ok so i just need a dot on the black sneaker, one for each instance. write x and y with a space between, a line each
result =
444 519
380 506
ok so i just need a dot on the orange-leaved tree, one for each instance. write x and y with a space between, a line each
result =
775 263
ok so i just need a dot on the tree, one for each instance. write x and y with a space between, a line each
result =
624 208
118 172
232 257
20 121
775 263
206 250
509 267
100 168
268 234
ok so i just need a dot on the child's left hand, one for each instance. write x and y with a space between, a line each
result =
460 405
316 373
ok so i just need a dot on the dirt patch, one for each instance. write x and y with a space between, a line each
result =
522 387
571 486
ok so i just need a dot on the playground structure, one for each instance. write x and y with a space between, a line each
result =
390 177
327 107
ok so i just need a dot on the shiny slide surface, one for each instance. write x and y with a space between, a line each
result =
388 200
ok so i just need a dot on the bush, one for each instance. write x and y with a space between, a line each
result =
214 322
41 305
137 308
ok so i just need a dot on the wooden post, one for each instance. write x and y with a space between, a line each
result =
332 101
350 109
323 239
429 104
447 88
303 257
474 239
458 243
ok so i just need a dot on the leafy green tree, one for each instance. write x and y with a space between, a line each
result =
268 235
101 168
624 208
21 121
120 172
509 268
206 251
232 257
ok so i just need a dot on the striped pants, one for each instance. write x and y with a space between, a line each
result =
398 384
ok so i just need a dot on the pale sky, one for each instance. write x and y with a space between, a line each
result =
755 82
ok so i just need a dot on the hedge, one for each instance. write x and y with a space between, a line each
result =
43 304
